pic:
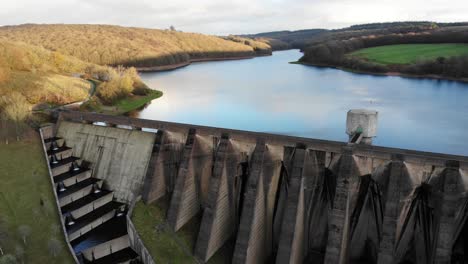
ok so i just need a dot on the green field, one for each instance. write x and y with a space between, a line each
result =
24 182
410 53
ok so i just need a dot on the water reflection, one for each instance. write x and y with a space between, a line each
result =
267 94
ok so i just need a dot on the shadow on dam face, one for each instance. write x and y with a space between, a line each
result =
263 198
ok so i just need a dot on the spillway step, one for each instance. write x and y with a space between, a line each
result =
86 201
64 161
63 151
112 229
122 256
51 139
73 176
77 187
90 221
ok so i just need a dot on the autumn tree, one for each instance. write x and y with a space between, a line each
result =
14 107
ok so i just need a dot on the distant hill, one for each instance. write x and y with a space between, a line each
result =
115 45
287 39
300 39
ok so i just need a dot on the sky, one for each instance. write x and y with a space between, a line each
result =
220 17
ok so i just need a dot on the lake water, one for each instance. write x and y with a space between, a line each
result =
268 94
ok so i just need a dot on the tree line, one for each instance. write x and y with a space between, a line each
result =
334 53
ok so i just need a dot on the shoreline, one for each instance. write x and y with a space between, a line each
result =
383 74
171 67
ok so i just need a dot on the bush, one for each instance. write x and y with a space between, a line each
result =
123 82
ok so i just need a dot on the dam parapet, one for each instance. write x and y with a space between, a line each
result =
284 199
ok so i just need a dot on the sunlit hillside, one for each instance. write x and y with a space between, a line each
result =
115 45
40 75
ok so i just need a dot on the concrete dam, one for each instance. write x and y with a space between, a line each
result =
277 199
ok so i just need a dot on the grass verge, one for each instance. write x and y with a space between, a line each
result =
135 102
27 199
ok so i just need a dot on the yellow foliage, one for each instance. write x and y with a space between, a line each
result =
109 91
4 74
44 76
14 107
115 45
122 83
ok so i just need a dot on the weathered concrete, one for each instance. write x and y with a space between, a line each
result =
193 180
294 200
255 235
118 156
164 165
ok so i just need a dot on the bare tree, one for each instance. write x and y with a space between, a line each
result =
55 247
19 253
4 236
24 232
4 124
55 229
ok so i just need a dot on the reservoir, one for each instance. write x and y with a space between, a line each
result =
268 94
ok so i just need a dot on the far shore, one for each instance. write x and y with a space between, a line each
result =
183 64
398 74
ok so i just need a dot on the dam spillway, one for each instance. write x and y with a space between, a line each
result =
282 199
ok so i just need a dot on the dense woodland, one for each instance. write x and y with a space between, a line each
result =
139 47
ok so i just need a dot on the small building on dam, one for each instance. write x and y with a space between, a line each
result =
276 198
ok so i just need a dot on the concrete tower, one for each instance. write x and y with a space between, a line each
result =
361 125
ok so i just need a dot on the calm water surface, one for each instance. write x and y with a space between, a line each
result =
268 94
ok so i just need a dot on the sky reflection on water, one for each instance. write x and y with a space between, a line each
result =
268 94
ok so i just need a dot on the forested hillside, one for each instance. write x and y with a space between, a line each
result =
301 39
115 45
279 40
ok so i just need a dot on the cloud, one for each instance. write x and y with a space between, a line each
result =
235 16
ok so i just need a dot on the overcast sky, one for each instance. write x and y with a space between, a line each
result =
232 16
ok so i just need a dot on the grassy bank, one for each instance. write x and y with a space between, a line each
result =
122 106
410 53
27 199
167 246
158 239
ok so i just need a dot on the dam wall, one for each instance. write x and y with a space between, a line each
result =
118 156
282 199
